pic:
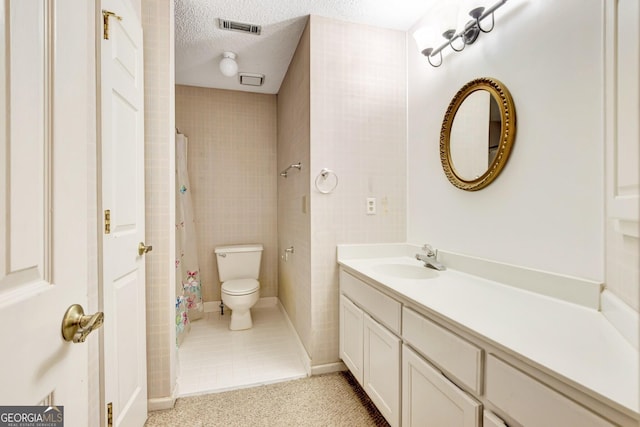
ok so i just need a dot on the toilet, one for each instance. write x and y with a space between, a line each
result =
238 271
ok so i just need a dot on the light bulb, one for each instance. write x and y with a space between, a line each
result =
228 65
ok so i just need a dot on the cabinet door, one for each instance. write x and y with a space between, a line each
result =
382 369
430 400
351 337
489 419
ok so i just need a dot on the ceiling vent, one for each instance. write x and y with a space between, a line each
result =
251 79
226 24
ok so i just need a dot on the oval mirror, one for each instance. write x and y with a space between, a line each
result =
477 134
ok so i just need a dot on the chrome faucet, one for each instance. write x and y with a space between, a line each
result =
430 258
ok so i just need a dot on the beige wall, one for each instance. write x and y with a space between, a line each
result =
294 218
157 25
232 170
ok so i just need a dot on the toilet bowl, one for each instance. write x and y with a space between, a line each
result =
238 271
240 295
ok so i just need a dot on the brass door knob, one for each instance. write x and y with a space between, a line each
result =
143 249
76 326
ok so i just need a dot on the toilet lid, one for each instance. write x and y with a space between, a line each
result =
240 286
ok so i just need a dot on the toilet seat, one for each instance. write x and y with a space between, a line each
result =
240 286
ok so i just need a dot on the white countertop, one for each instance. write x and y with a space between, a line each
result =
573 341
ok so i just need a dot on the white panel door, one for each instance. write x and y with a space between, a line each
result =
430 400
351 337
122 194
382 369
47 118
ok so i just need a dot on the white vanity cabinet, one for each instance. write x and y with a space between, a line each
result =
420 369
369 346
429 399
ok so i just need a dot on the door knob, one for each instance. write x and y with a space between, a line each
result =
76 326
142 249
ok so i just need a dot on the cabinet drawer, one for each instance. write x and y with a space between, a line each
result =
381 307
452 354
532 403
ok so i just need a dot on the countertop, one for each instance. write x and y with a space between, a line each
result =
570 340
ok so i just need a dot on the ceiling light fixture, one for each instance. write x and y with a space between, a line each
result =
228 64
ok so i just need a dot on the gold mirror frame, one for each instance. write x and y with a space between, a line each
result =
507 132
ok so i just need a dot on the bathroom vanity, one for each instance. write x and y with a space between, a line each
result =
458 349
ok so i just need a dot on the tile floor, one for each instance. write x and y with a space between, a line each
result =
212 358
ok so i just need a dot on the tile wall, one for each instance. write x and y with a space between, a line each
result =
158 24
294 216
333 112
232 170
358 129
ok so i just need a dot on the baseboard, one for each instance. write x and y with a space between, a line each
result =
266 302
306 360
158 404
328 368
211 306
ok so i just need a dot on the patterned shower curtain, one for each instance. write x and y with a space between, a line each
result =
189 305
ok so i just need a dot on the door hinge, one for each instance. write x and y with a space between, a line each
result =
105 22
110 414
107 221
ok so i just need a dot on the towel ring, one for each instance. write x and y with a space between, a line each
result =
322 180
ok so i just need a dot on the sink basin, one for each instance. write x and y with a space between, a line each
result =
405 271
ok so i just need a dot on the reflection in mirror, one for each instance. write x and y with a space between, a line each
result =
477 134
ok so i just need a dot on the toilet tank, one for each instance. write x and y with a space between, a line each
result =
238 261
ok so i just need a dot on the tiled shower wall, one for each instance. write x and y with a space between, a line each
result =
232 170
294 216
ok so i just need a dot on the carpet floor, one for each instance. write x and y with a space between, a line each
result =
325 400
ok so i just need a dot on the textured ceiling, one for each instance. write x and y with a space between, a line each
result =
200 42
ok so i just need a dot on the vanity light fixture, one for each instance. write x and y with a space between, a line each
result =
228 64
468 34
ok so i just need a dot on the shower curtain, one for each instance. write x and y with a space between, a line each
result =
189 305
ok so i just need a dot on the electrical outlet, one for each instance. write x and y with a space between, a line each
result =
371 205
